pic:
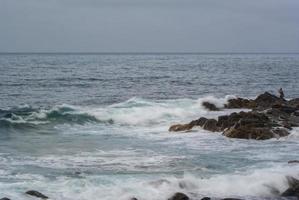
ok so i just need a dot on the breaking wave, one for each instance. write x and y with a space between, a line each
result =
135 111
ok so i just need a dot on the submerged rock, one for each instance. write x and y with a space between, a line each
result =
36 194
293 190
293 161
179 196
210 106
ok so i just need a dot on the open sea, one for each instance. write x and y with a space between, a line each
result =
95 126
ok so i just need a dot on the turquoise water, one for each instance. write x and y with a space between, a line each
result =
88 126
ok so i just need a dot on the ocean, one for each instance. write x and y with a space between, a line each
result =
95 126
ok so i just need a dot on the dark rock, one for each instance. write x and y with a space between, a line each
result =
240 103
293 161
180 127
206 198
293 190
199 122
210 106
5 198
294 103
179 196
267 100
244 132
231 199
133 198
36 194
211 125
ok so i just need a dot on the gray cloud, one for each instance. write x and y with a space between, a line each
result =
149 25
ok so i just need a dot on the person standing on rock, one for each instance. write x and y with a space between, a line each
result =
281 94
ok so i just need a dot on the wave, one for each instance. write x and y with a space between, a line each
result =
133 112
251 184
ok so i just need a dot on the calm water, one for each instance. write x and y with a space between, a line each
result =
94 126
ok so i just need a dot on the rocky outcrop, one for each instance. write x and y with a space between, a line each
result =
179 196
263 101
36 194
293 190
210 106
240 103
271 117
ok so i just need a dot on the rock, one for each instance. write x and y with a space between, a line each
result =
133 198
293 161
179 196
211 125
293 190
280 132
231 199
240 103
294 103
36 194
180 127
199 122
206 198
244 132
210 106
5 198
267 100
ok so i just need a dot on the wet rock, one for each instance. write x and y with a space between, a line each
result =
240 103
293 161
36 194
210 106
179 196
293 190
249 133
294 103
133 198
231 199
211 125
206 198
267 99
5 198
180 127
199 122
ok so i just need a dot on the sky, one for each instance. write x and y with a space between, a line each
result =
149 26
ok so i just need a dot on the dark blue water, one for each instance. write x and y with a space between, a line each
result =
47 79
74 126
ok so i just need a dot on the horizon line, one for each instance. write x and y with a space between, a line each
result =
163 52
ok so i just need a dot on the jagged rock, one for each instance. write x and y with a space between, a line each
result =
294 103
267 100
199 122
179 196
211 125
240 103
210 106
180 127
249 133
293 190
36 194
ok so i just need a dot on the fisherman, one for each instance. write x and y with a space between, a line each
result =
281 94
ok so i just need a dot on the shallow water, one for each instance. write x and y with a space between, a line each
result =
88 126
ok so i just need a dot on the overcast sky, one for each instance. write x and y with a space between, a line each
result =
149 25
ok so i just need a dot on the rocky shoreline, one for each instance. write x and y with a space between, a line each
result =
291 193
270 117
